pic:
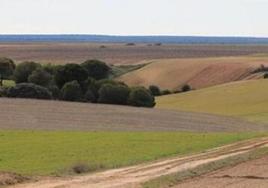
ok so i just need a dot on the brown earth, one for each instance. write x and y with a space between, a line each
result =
199 73
53 115
135 175
252 174
11 178
62 53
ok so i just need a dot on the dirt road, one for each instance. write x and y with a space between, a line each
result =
133 176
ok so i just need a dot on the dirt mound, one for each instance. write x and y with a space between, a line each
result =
53 115
199 73
11 178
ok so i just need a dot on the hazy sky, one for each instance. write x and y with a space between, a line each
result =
135 17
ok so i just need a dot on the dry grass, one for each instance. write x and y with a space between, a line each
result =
199 73
51 115
61 53
244 99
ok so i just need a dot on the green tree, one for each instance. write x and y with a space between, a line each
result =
69 73
24 70
71 91
96 69
113 94
141 97
7 67
155 91
40 77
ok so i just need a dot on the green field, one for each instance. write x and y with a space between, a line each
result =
247 99
44 153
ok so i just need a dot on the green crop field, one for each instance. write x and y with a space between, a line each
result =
44 153
246 99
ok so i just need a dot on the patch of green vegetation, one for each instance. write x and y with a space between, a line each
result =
173 179
8 83
119 70
246 99
44 152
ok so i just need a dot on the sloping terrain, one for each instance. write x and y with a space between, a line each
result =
135 175
199 73
244 99
52 115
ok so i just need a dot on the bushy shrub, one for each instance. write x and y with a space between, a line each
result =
7 67
29 90
113 94
40 77
166 92
90 96
69 73
24 70
155 91
265 76
71 91
3 91
141 97
96 69
186 88
55 91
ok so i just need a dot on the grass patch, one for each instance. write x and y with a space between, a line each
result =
247 99
119 70
173 179
44 152
8 83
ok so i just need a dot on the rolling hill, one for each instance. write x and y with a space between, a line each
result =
245 99
199 73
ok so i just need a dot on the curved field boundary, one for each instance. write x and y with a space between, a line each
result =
52 115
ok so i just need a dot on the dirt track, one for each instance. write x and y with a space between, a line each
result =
135 175
52 115
252 174
61 53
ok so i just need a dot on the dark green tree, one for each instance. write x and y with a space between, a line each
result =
96 69
24 70
40 77
141 97
71 91
7 67
155 91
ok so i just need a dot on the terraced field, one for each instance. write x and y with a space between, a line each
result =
198 72
245 99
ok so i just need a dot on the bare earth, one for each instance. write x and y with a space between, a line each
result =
62 53
252 174
198 72
53 115
135 175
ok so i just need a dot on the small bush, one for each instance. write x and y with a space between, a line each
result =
40 77
186 88
55 91
96 69
82 168
24 70
3 91
69 73
113 94
7 67
29 90
90 97
155 91
265 76
141 97
166 92
71 91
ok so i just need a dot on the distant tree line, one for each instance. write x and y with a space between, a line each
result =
86 82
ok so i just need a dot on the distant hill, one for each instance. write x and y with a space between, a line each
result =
133 39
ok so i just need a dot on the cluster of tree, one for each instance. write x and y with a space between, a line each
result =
156 91
86 82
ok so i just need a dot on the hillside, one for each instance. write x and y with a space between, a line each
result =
199 73
245 99
51 115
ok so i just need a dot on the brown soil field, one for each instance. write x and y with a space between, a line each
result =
62 53
135 175
247 175
198 72
52 115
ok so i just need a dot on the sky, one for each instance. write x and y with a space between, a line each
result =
135 17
